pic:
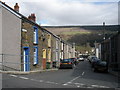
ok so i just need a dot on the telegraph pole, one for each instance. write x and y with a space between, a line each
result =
103 51
104 30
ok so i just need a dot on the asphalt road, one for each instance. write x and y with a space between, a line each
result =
81 76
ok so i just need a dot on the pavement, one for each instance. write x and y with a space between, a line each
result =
81 76
29 72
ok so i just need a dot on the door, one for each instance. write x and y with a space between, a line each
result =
44 59
26 59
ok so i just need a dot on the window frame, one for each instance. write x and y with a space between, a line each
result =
35 35
35 55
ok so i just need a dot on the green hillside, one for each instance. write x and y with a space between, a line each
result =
82 35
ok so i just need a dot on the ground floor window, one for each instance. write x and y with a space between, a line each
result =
35 55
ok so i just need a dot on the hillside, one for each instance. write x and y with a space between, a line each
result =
83 35
95 27
66 32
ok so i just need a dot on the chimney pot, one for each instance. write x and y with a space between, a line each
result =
16 7
32 17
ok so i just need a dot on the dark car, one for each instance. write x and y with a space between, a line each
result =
67 63
100 66
93 61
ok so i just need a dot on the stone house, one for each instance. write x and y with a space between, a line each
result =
26 46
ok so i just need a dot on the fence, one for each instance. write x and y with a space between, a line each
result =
10 62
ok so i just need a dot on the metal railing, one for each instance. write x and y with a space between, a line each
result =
9 62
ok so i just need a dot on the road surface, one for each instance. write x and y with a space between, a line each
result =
81 76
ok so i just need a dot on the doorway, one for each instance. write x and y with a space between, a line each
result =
26 59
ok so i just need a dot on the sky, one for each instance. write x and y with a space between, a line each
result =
69 12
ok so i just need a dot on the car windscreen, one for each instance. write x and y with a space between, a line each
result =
81 56
66 60
93 57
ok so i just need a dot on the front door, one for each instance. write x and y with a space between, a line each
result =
26 58
44 59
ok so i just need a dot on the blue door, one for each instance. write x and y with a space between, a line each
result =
26 58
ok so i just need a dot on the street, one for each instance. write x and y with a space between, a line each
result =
81 76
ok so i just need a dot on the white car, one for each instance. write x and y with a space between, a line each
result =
81 59
91 57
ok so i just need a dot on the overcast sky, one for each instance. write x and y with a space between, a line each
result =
70 12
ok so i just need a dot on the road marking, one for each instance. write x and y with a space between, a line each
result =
95 85
65 84
104 87
79 84
44 81
41 80
89 87
74 79
24 78
35 80
99 86
13 75
83 73
51 82
71 80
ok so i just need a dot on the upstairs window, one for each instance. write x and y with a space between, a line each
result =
35 35
49 40
35 55
57 44
62 45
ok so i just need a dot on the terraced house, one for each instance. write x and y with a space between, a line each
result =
109 51
26 46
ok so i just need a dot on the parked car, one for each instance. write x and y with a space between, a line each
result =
67 63
91 57
100 66
81 58
93 61
85 55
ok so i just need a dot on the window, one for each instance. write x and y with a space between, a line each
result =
35 35
57 44
49 40
49 55
57 58
44 53
62 46
35 55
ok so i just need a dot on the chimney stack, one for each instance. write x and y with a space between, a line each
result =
16 7
32 17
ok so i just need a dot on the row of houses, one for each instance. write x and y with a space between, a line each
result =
26 46
109 50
